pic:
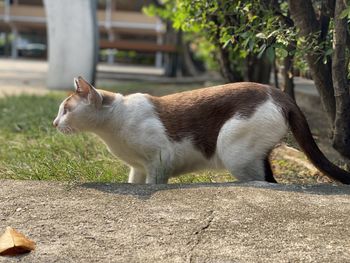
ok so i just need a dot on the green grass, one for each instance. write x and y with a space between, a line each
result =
30 148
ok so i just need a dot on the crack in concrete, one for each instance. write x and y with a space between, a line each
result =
199 233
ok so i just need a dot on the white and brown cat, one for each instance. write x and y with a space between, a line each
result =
233 127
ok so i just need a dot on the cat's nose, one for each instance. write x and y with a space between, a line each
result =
55 123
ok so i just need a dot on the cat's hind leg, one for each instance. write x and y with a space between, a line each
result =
246 170
268 171
240 155
245 157
248 167
244 143
136 176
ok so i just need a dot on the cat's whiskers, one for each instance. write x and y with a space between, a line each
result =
67 130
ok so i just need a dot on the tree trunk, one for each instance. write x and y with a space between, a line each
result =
288 76
304 17
7 45
171 59
341 134
225 65
257 70
223 55
275 73
181 62
190 66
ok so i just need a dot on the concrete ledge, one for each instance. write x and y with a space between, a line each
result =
235 222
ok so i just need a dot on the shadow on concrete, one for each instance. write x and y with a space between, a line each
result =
142 191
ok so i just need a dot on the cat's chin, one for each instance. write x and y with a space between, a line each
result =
67 130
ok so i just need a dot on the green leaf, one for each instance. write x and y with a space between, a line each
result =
270 52
273 33
226 43
324 60
245 42
251 44
328 52
261 50
261 35
283 52
345 13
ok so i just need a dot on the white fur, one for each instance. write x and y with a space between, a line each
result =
140 140
133 132
243 143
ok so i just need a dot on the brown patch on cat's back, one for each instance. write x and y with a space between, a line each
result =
107 97
200 114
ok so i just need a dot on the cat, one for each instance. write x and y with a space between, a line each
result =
233 126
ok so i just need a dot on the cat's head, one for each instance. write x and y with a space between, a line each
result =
79 112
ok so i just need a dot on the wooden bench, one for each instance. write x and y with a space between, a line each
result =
137 46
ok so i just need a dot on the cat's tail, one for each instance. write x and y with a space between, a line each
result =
302 134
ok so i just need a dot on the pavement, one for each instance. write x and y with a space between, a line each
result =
22 76
231 222
29 76
305 86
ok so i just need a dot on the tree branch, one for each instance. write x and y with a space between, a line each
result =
274 6
157 3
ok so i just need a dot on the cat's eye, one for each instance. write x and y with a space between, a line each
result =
64 111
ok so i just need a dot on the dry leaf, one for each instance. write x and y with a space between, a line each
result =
13 243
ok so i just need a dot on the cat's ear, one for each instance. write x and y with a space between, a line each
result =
85 90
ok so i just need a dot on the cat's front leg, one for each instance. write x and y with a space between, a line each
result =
157 175
151 179
136 176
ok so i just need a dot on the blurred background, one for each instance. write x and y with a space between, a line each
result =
23 26
135 53
161 47
131 45
152 40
